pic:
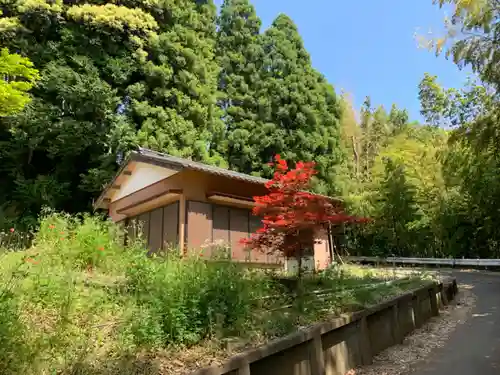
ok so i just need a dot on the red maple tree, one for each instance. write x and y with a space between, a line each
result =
290 214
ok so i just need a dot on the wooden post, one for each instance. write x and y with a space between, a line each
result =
126 239
182 222
439 295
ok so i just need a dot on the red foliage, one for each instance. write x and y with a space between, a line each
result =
290 214
31 260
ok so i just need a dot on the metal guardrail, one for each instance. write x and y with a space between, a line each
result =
429 261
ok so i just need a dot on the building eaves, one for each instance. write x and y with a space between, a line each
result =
159 158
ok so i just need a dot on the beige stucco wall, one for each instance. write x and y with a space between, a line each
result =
143 174
321 250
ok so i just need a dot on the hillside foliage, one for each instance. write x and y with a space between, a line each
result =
86 82
79 301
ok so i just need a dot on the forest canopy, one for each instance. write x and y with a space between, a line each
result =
87 82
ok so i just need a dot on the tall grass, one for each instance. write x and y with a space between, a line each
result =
14 240
79 298
79 301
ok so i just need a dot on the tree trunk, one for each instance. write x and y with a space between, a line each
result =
300 290
356 157
299 263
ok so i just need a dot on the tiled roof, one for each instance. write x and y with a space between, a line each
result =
169 160
174 162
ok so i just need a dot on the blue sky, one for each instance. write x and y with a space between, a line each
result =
367 47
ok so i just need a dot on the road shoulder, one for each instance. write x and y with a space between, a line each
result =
417 347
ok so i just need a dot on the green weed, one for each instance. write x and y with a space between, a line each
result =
80 301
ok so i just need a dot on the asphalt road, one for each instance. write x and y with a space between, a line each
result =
474 347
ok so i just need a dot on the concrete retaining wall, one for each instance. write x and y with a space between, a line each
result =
335 347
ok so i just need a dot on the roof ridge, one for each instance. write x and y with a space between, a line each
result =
189 163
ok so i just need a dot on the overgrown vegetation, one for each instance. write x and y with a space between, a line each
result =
216 88
181 78
90 81
79 302
18 77
434 190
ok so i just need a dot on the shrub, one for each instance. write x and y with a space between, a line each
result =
191 298
14 240
13 350
80 302
78 295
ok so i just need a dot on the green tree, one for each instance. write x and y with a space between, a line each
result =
175 102
433 100
17 77
468 209
403 171
455 108
378 127
298 108
374 126
239 55
380 131
396 211
473 37
366 146
351 137
113 76
398 120
363 143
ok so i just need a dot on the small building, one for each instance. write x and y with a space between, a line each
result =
189 205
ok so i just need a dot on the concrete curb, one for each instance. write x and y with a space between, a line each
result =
343 343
